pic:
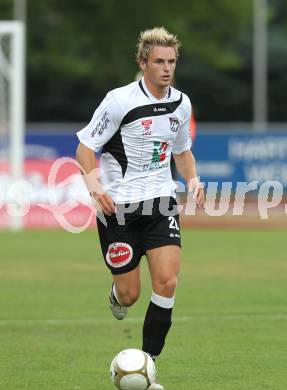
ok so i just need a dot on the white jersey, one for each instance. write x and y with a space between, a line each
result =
137 134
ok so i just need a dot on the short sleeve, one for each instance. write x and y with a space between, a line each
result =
103 125
183 140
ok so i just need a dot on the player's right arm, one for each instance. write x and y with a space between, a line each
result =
87 159
105 122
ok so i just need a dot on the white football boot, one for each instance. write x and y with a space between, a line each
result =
119 311
156 386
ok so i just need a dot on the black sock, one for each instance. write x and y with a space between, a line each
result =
156 326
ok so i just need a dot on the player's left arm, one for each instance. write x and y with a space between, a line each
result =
186 166
183 156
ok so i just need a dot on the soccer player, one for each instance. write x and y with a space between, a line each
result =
137 127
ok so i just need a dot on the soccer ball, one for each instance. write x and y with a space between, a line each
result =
132 369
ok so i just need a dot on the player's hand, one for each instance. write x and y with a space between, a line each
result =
196 187
103 202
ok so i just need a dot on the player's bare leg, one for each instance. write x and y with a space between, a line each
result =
125 291
164 264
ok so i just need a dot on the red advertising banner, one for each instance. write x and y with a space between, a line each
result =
52 194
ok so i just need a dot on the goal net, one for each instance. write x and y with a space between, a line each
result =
12 65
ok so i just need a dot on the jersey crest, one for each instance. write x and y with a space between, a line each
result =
174 124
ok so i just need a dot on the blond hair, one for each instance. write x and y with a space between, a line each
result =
158 36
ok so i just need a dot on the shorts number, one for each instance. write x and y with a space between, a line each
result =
173 223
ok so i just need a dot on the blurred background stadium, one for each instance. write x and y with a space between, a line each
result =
232 65
58 59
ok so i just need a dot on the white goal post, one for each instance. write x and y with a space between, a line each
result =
12 69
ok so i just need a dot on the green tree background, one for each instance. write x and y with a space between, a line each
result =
78 50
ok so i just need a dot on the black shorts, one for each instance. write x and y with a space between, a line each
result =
128 235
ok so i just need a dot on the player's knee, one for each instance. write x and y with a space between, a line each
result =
167 286
129 297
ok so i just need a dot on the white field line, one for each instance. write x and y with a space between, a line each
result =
100 321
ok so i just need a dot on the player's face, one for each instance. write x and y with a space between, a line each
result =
160 66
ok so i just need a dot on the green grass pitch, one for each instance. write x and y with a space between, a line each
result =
230 318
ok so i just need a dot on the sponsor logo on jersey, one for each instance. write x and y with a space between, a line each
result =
101 125
158 159
174 124
147 124
159 151
119 254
